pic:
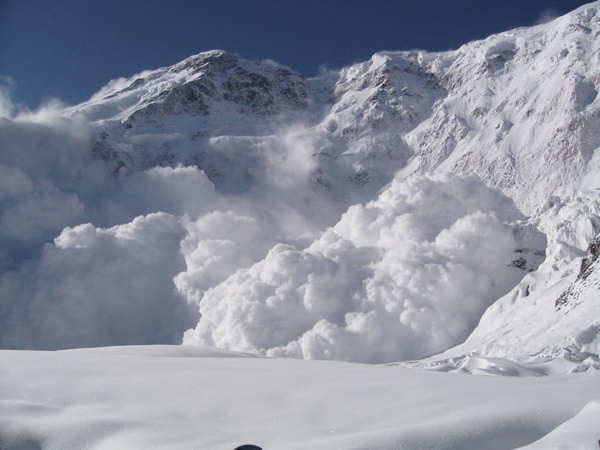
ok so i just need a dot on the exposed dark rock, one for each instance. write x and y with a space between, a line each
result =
570 295
519 263
590 258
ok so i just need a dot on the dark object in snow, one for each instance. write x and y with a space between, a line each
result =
248 447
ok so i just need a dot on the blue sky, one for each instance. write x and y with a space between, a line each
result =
70 48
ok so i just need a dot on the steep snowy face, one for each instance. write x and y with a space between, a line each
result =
195 87
522 110
171 115
549 320
391 92
219 112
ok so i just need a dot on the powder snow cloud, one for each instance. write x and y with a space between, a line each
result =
96 257
92 255
401 277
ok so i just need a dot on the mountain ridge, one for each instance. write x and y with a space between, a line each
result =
476 109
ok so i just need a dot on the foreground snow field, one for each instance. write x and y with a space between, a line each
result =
180 397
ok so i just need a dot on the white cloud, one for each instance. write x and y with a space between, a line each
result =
49 112
216 244
63 284
42 169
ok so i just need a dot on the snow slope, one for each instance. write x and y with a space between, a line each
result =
180 397
576 433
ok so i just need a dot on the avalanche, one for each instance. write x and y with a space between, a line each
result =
415 211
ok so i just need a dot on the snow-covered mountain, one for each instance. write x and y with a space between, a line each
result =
326 217
519 109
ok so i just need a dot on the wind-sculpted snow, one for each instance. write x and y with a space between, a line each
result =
577 432
401 277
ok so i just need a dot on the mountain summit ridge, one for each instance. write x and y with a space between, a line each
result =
518 109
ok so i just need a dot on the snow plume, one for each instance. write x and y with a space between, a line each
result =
215 245
7 108
274 176
280 205
49 112
401 277
547 15
176 190
94 255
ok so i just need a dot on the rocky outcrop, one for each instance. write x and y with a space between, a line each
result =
570 297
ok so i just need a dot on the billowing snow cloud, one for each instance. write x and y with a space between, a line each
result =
44 177
401 277
216 244
91 255
65 282
96 286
